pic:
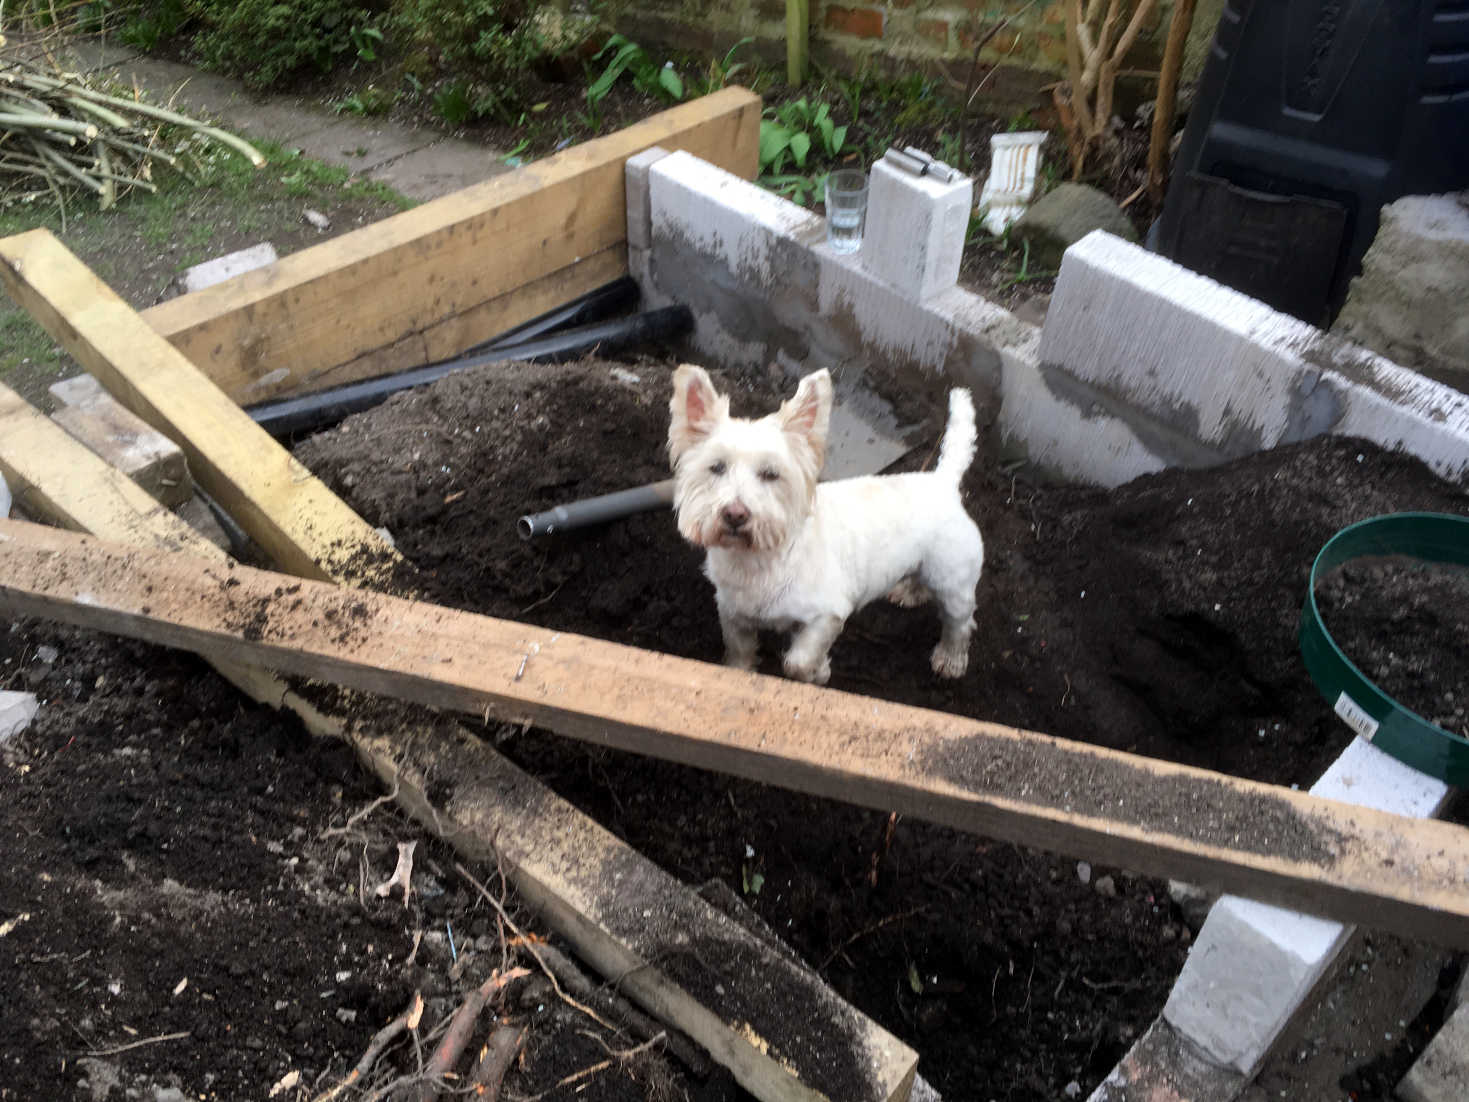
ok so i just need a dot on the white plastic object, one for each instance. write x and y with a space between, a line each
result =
4 498
1014 158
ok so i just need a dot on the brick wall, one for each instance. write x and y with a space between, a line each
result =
891 34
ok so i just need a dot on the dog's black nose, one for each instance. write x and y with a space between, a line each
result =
734 516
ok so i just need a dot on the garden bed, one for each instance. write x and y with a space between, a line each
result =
166 831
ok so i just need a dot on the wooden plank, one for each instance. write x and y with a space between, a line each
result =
448 338
447 271
589 885
299 522
1345 862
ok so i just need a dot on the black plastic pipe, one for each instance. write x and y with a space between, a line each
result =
595 510
597 304
309 412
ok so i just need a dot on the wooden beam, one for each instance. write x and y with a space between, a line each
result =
299 522
1345 862
589 885
444 275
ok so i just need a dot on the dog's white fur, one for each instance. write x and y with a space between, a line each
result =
789 554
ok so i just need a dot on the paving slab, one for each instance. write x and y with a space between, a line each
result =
418 162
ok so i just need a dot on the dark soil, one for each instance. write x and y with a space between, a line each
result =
1159 618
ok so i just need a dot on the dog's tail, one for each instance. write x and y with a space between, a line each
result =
957 450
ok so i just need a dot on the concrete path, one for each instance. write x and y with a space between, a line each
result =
419 162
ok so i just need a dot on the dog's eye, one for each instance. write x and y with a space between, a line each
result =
769 475
717 467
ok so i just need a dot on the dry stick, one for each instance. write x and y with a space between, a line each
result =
531 948
970 90
461 1026
645 1027
139 1044
1166 104
380 1040
495 1059
601 1065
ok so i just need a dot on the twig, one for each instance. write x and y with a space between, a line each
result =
530 948
601 1065
408 1020
578 983
139 1044
461 1026
970 89
495 1059
860 934
402 874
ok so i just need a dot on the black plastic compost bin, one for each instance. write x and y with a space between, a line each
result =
1310 115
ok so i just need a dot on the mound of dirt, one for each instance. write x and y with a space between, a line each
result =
1159 618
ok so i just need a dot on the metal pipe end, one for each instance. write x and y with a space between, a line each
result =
526 526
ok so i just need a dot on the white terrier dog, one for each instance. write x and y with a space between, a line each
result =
788 554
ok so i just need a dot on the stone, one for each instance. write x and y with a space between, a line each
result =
16 712
226 267
1062 217
1408 303
1441 1073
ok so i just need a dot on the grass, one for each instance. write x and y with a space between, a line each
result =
139 246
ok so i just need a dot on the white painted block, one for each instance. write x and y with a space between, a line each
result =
1179 370
92 416
228 266
1253 964
915 230
16 712
639 213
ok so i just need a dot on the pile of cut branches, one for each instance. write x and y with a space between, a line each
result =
60 133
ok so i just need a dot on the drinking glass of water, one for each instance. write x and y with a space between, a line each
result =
846 209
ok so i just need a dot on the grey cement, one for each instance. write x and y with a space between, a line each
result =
418 162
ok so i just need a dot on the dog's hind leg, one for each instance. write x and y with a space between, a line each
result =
951 657
910 593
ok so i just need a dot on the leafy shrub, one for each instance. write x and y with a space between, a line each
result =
267 42
793 130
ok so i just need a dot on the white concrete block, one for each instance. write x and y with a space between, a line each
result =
126 441
915 232
1167 367
1253 964
228 266
1441 1073
639 213
16 712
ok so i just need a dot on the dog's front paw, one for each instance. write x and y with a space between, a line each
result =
815 672
740 660
950 663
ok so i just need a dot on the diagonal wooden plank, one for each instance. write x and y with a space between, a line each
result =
299 522
1263 841
590 886
426 283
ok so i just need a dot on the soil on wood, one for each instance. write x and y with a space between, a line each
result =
164 831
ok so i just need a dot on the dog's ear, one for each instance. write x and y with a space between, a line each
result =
696 409
808 414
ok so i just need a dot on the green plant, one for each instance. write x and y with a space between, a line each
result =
799 189
1024 274
647 75
366 39
793 130
267 42
723 70
453 103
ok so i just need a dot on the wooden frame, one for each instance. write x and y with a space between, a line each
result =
423 285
